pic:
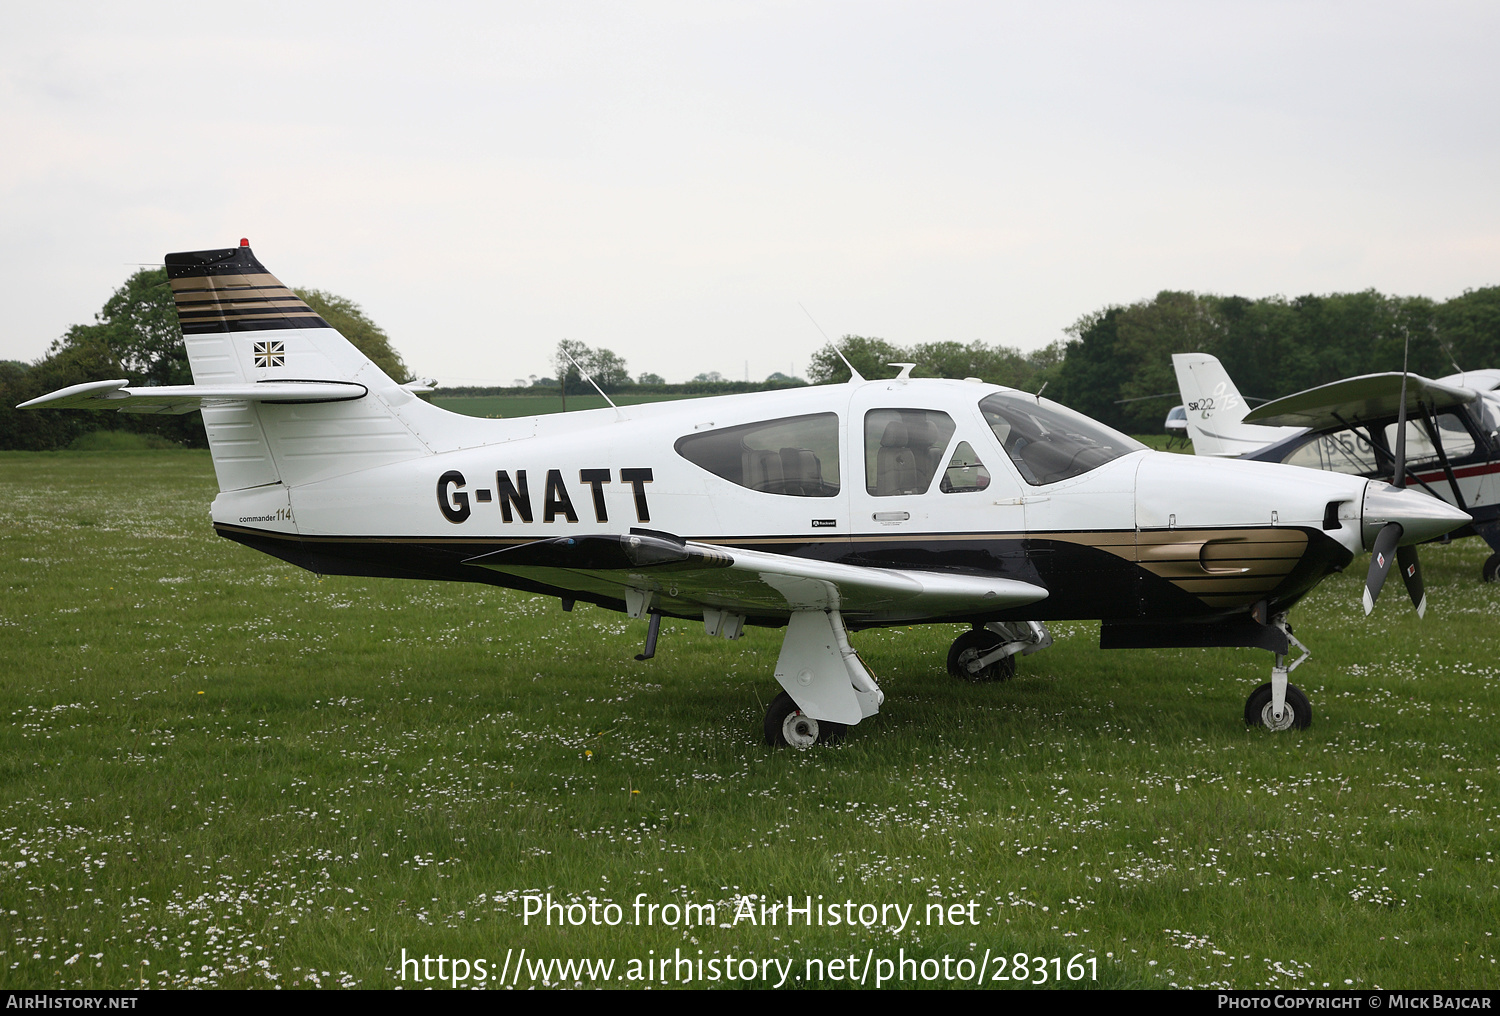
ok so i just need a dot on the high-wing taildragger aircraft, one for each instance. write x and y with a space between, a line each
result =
821 510
1452 433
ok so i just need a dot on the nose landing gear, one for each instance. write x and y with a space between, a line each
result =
1277 705
1296 712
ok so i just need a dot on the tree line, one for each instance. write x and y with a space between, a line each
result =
1115 364
1118 357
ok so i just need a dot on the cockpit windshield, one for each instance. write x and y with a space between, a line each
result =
1048 442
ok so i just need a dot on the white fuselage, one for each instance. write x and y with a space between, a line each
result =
609 470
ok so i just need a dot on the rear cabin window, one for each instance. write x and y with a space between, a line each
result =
904 449
1048 442
796 456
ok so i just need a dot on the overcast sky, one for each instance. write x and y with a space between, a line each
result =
671 181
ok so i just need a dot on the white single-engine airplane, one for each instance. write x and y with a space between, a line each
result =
819 509
1451 433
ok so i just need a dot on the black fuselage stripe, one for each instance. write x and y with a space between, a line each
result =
251 325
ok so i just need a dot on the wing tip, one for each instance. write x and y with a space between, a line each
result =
72 395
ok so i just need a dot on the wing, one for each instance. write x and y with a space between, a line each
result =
177 399
1370 398
687 577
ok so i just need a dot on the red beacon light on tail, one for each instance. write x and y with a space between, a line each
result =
244 242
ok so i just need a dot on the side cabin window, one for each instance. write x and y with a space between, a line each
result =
796 455
904 449
1457 442
965 473
1344 451
1489 415
1350 451
1048 442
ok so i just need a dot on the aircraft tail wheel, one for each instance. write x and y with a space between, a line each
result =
788 725
1491 570
970 646
1296 714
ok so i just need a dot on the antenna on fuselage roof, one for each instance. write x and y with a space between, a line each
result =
589 378
854 375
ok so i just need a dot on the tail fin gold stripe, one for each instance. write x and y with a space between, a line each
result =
247 302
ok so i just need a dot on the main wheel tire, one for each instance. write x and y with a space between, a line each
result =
786 724
1297 713
1491 570
969 647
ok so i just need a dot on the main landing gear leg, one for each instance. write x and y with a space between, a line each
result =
1278 705
826 687
988 652
1490 532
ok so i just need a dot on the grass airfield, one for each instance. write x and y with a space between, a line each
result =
220 770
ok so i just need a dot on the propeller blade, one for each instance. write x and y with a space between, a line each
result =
1411 574
1400 478
1381 556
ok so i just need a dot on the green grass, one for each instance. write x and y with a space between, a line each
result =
221 770
119 441
1163 443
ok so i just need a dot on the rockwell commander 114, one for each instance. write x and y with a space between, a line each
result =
821 510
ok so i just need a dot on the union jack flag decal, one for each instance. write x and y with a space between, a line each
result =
270 354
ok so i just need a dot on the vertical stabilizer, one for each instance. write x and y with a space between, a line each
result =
240 324
1215 409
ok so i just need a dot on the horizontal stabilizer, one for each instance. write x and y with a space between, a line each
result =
178 399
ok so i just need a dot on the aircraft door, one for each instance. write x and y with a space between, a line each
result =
927 475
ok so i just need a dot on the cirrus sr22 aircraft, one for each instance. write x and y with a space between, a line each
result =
821 510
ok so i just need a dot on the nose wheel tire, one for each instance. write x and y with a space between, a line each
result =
1296 714
1491 570
970 646
788 725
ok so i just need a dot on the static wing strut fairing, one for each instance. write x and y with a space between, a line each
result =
820 510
